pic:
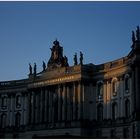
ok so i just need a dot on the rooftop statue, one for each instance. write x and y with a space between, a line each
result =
34 68
66 61
75 59
44 66
138 33
30 68
81 58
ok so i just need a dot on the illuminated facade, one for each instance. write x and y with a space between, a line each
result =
79 101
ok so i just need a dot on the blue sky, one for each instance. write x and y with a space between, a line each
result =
101 30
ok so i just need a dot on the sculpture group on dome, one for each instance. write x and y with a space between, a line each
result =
57 59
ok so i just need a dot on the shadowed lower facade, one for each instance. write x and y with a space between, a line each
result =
79 101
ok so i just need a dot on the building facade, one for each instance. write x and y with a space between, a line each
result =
79 101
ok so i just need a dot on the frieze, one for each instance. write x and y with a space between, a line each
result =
55 81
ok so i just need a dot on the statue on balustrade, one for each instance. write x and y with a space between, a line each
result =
34 68
81 58
30 69
44 66
75 59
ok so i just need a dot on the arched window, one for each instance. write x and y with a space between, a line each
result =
114 87
114 111
4 101
100 112
99 89
3 120
17 119
127 108
18 101
127 83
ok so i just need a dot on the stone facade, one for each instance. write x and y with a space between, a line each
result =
79 101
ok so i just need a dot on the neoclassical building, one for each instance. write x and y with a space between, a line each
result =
79 101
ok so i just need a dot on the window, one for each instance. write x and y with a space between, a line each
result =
127 85
17 119
114 87
18 101
4 102
127 108
114 111
3 120
100 112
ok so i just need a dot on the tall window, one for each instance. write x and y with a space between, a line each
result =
114 111
17 119
3 120
127 108
114 87
127 84
4 102
18 101
100 112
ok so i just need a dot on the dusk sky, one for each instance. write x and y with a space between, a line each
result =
101 30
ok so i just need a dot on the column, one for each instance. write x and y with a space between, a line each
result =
50 106
11 110
64 103
74 104
82 99
37 108
104 100
108 100
68 102
79 100
133 93
40 102
31 107
24 108
45 105
120 94
59 103
71 101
